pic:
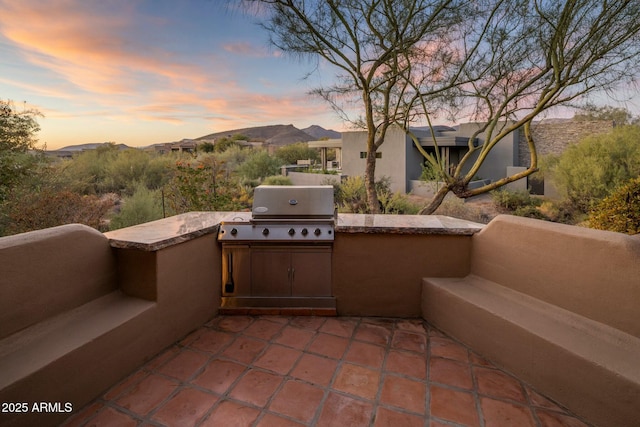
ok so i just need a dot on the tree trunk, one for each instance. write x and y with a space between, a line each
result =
370 183
435 201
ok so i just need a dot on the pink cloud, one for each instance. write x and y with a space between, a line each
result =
42 89
89 49
93 47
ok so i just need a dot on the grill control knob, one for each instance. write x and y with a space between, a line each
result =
304 231
292 232
265 231
234 231
317 231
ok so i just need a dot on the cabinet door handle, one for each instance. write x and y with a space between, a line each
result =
293 274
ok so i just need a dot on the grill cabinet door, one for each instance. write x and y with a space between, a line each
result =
270 272
311 273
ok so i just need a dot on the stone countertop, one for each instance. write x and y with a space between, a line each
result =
156 235
405 224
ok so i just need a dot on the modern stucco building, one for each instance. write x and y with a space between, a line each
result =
400 161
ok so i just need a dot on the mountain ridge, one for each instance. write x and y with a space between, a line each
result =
318 132
276 134
89 146
271 134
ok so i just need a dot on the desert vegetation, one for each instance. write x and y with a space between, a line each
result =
596 180
109 188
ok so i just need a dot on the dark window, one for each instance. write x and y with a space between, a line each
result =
363 155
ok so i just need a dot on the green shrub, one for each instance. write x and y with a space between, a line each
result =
457 208
530 212
223 144
277 180
514 200
108 169
259 165
560 211
291 153
397 203
201 186
206 147
588 171
351 197
620 211
430 173
36 210
143 206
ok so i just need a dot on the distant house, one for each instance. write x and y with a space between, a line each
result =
324 146
400 161
183 146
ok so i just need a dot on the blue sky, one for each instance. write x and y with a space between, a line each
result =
141 72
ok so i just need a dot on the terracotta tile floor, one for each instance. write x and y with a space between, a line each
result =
318 371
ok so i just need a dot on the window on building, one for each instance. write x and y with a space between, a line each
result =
363 155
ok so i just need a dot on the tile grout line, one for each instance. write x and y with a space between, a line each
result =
328 388
383 375
285 377
476 391
427 376
216 356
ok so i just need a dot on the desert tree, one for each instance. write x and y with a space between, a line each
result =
372 44
521 59
18 129
501 63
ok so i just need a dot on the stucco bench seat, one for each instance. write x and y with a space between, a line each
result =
550 343
66 327
77 336
80 310
557 306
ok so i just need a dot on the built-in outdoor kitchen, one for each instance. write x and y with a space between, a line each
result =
280 254
154 284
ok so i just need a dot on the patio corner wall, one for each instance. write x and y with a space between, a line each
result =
183 279
380 274
96 312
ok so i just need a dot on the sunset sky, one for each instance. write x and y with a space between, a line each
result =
140 72
148 71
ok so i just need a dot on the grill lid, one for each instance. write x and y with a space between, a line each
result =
293 201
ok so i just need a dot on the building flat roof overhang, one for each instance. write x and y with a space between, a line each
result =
447 141
327 143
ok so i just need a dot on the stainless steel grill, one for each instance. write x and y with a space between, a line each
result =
296 214
281 256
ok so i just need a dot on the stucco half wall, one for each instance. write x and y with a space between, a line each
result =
380 274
